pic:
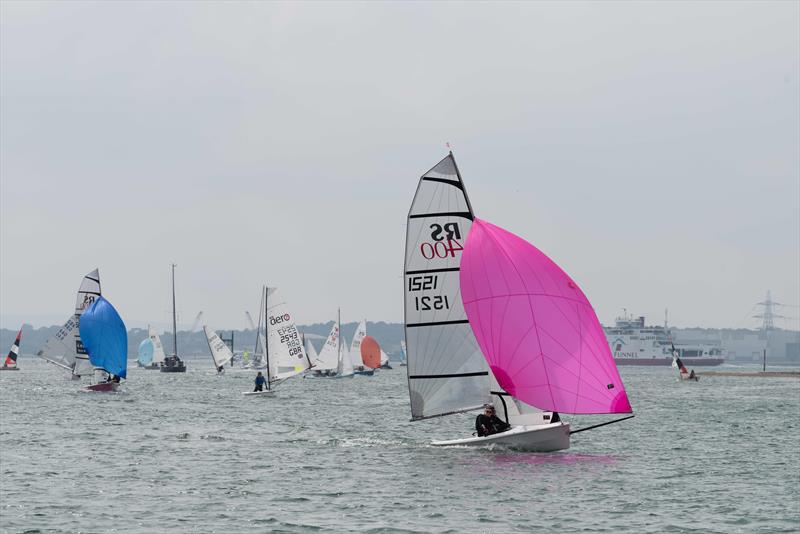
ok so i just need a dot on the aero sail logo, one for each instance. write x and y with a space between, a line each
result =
279 319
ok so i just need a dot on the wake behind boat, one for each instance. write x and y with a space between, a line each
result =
489 318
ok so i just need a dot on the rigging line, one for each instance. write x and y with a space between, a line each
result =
601 424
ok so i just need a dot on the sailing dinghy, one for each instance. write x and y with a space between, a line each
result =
65 349
333 360
106 340
683 372
490 318
360 365
220 352
283 345
11 360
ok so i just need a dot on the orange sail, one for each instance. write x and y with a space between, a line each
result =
371 352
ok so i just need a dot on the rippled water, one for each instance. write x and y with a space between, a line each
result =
189 453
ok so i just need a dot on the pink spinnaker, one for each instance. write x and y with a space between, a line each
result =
537 330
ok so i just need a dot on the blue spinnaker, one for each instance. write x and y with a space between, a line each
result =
146 352
105 338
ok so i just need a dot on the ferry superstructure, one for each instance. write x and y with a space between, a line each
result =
634 343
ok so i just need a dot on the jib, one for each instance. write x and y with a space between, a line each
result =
450 230
279 319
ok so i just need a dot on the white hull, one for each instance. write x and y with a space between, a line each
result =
265 393
538 438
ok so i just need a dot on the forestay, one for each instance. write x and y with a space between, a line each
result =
220 352
537 329
446 371
287 357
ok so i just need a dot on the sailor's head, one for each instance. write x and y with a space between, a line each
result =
488 409
259 373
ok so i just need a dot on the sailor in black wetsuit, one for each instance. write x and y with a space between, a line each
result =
488 423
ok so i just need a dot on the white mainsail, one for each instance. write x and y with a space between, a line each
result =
384 358
65 348
60 348
220 352
355 346
447 372
287 357
87 293
311 352
158 348
345 366
328 358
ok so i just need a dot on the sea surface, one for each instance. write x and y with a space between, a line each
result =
189 453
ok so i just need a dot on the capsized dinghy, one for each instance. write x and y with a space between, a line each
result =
489 318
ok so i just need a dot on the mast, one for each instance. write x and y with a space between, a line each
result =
266 332
174 317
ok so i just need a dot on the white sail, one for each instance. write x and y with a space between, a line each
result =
257 360
345 366
65 348
287 357
220 352
311 352
447 372
158 348
355 346
87 293
328 358
384 358
60 348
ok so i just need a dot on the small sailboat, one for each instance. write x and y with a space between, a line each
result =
144 353
65 349
11 360
333 360
385 361
360 366
151 352
220 352
491 319
173 364
403 363
106 340
683 372
284 352
258 359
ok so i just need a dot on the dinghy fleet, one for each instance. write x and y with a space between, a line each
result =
490 321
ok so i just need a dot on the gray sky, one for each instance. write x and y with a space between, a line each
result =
651 149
